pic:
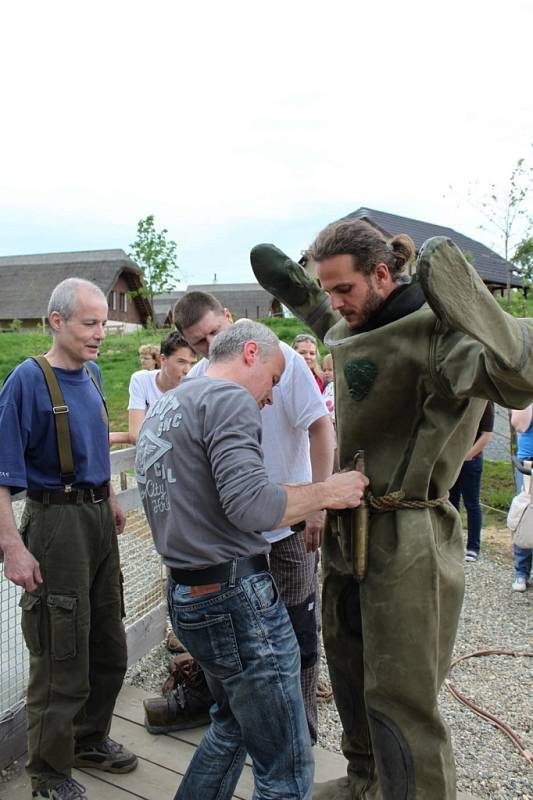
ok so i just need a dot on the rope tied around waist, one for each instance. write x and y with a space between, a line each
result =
396 500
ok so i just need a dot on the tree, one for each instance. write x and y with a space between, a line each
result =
523 260
507 212
156 257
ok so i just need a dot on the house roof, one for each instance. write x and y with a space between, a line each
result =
243 299
28 280
164 305
490 266
217 288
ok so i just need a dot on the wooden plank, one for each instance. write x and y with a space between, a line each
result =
146 632
122 460
162 761
20 789
130 500
167 752
149 782
129 706
328 765
12 737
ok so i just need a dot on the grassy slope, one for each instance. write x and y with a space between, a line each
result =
119 359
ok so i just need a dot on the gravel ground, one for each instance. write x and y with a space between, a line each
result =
488 765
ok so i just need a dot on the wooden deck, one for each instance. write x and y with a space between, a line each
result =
162 761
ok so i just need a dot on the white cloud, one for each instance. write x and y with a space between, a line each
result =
221 117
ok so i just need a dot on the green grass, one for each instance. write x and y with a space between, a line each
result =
118 359
519 305
497 491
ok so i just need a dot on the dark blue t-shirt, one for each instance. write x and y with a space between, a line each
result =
28 444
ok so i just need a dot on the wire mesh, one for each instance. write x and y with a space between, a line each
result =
13 653
141 567
143 592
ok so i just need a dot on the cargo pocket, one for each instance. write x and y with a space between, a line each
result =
62 609
31 622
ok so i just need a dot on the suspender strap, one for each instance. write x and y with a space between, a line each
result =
60 411
92 376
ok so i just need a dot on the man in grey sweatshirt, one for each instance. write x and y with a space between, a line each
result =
207 497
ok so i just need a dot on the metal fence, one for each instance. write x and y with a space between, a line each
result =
143 595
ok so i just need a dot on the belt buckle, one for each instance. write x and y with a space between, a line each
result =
93 498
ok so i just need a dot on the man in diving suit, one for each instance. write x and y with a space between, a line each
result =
415 362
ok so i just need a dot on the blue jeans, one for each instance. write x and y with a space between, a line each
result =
468 486
243 639
522 556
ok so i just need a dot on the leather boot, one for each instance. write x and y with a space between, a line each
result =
186 700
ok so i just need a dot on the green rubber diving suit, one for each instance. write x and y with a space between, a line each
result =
409 390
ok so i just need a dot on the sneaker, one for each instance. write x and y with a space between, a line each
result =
185 706
67 790
471 555
107 755
519 585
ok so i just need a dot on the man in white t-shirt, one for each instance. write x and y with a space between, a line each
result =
298 446
147 386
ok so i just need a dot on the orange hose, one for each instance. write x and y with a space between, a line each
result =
481 712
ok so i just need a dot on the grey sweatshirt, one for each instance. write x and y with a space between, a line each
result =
201 476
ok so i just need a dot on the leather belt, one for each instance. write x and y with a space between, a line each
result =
220 573
74 496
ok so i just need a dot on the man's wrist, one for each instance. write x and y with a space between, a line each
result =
325 496
12 544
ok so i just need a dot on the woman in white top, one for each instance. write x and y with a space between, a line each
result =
147 386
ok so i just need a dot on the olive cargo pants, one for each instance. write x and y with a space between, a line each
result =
73 629
388 642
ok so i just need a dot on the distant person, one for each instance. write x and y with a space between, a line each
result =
327 369
305 344
66 557
149 356
329 386
522 422
468 484
147 386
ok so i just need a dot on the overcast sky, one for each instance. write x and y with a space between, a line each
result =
238 122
